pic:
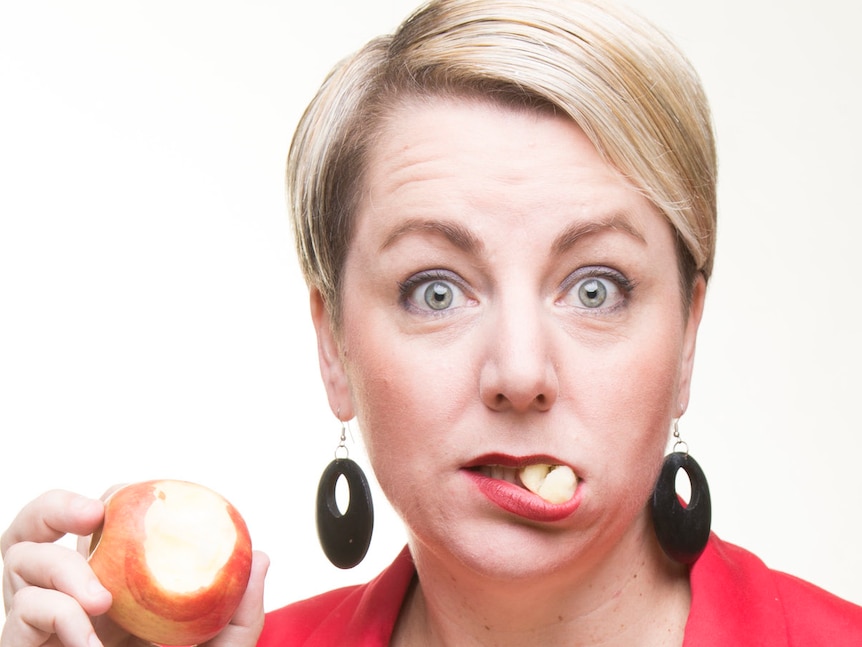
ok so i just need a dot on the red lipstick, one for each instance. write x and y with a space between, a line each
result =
515 499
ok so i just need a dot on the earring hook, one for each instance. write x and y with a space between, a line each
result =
341 451
679 442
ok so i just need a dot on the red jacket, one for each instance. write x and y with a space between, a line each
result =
736 601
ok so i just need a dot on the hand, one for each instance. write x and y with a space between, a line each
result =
247 623
53 598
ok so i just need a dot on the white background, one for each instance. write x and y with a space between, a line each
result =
153 322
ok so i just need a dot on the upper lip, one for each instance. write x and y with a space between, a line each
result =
507 460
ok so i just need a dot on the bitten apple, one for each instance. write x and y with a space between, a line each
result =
176 558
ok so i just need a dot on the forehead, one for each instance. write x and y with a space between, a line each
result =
461 125
502 190
454 156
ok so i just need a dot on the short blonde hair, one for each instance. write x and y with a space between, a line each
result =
625 84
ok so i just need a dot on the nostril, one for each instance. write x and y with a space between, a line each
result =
540 401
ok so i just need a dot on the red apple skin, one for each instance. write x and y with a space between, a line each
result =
140 605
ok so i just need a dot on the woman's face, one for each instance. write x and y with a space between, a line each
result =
508 299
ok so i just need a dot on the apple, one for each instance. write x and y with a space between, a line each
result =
176 558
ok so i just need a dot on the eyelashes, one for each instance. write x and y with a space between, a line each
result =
432 291
594 289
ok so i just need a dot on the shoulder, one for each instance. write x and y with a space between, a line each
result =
358 615
737 599
295 623
815 616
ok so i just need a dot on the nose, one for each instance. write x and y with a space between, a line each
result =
518 370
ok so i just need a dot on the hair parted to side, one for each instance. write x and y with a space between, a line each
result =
625 84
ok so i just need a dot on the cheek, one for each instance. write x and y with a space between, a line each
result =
644 384
399 403
649 385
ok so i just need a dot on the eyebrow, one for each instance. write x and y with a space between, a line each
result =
454 232
464 239
576 231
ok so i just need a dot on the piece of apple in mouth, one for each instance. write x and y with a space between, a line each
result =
554 483
176 558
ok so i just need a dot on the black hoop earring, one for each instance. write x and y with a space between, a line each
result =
682 531
345 538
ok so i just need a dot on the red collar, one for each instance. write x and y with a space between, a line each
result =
736 600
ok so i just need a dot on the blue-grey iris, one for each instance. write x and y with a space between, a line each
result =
438 295
592 293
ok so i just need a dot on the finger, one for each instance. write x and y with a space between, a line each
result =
84 543
37 614
250 609
52 515
247 623
49 566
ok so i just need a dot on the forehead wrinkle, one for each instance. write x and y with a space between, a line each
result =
575 232
456 233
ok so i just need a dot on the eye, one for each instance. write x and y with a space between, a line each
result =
592 292
432 292
438 295
596 289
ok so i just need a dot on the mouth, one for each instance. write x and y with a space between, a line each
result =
553 483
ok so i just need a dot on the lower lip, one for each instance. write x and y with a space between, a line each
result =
521 502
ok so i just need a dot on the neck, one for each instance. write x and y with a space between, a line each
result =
635 595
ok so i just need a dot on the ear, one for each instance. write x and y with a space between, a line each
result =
331 366
695 313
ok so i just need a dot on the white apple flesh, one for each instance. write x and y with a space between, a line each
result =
176 558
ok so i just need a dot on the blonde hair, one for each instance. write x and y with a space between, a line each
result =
625 84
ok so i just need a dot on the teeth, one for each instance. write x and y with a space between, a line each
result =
500 473
554 483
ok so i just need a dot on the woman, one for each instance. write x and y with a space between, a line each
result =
506 216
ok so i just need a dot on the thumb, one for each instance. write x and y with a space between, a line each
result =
247 623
